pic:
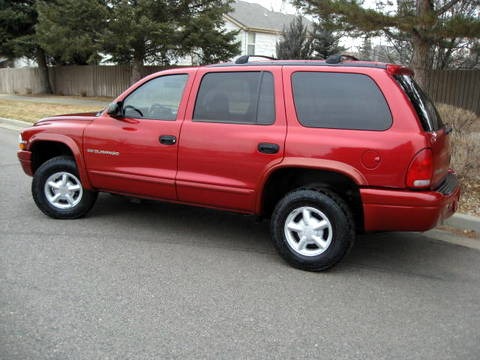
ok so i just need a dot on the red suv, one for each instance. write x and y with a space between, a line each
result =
325 149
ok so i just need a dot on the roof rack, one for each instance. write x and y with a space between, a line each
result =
244 58
337 59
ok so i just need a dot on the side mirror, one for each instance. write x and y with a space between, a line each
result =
114 109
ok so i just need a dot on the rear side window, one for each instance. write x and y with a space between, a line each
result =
340 101
424 107
236 97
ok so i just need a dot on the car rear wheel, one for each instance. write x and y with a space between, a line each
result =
58 192
312 229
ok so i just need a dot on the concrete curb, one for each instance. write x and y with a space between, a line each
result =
13 124
464 222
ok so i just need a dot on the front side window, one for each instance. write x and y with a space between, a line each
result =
236 97
157 99
339 101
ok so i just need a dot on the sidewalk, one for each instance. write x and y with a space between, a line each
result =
55 99
12 124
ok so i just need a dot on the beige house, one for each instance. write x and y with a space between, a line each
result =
259 28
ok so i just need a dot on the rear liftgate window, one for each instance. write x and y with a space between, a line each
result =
236 97
340 101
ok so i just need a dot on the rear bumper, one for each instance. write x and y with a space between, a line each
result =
25 158
392 210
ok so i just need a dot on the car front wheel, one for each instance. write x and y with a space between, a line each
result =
58 192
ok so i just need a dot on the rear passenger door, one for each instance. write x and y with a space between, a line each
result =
234 131
339 119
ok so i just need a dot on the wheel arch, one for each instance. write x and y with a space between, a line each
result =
47 146
339 180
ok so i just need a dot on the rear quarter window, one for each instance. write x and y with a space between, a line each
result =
339 101
425 108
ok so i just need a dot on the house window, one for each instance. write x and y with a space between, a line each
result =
251 43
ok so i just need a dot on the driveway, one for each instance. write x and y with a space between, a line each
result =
145 280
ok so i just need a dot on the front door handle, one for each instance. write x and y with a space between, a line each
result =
167 140
268 148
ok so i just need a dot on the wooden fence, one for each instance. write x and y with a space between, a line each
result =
92 80
456 87
19 81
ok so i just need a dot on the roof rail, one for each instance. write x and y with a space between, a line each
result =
337 59
244 58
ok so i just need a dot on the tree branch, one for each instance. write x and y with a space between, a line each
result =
446 7
392 35
458 26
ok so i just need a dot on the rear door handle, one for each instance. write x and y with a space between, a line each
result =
268 148
167 140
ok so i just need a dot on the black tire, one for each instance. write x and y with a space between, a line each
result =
320 241
73 201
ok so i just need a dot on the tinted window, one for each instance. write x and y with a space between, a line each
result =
424 107
157 99
236 97
341 101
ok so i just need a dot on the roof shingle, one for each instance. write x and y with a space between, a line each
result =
257 17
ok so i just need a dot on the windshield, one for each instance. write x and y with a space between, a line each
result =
425 108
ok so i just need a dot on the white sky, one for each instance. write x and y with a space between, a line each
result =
276 5
286 7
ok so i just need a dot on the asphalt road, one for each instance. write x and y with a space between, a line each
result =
158 281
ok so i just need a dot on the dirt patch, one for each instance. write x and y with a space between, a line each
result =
471 234
33 111
465 142
92 98
470 198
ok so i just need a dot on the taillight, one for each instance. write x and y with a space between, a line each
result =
420 171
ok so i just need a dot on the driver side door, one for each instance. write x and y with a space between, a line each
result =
136 152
